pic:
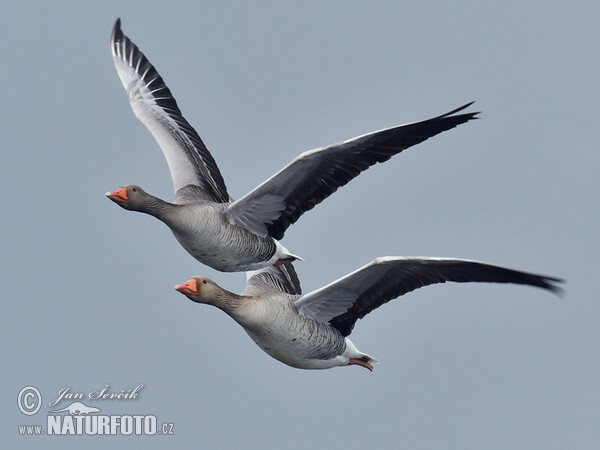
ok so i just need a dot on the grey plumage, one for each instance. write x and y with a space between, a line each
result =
310 331
262 216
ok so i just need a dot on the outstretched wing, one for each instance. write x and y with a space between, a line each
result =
314 175
350 298
282 278
189 160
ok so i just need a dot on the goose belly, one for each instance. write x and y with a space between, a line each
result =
223 246
308 346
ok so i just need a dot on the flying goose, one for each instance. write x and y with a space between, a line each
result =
242 235
311 331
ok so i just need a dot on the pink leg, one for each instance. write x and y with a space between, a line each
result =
361 363
282 261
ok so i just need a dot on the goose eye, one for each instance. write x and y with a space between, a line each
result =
134 189
203 281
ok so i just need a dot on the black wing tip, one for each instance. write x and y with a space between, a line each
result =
460 108
117 26
553 285
116 32
469 116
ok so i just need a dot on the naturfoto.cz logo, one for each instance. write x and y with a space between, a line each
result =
78 418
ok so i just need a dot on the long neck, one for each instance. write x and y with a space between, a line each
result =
228 301
157 207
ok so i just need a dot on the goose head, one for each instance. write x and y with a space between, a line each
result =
203 290
130 197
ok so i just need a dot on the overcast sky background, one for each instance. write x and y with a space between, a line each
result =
87 287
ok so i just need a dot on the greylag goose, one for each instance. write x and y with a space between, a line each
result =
311 331
244 234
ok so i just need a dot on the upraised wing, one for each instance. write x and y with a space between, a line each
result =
189 160
314 175
350 298
282 278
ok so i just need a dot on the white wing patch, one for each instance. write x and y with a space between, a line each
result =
257 212
164 129
190 162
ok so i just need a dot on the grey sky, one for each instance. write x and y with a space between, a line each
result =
87 291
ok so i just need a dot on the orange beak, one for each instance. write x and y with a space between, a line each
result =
118 196
190 287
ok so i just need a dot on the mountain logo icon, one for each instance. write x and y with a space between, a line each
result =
77 409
